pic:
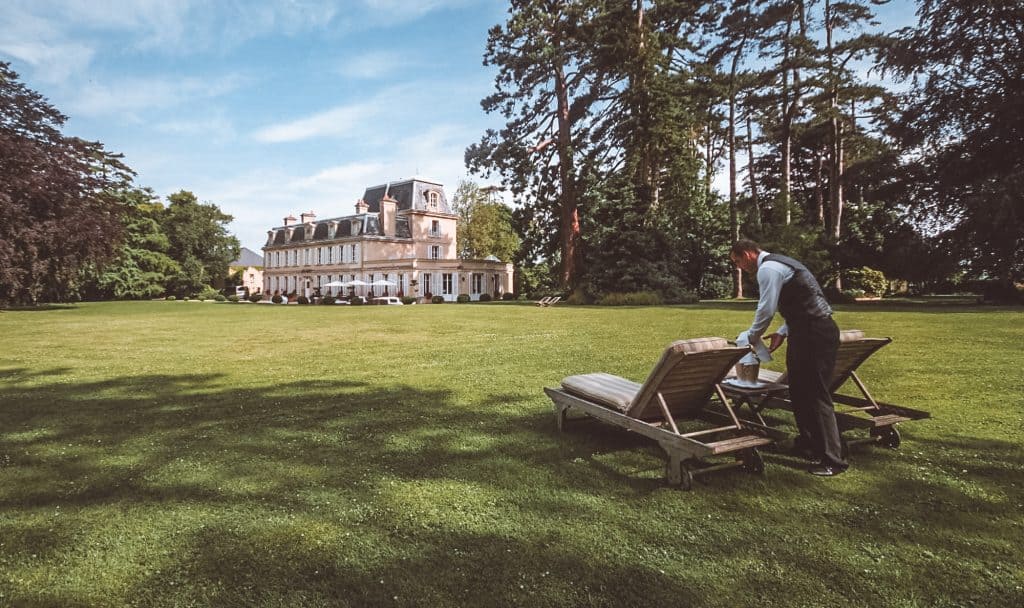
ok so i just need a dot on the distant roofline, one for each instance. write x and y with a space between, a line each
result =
415 178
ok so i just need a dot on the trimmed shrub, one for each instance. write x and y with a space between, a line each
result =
577 298
865 279
302 300
408 299
328 300
208 293
437 300
463 298
428 297
998 292
633 298
232 298
170 298
844 297
185 299
357 300
484 297
508 296
277 299
683 297
220 298
256 297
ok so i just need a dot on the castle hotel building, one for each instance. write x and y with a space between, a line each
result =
403 232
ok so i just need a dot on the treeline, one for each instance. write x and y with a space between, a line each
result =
841 144
73 225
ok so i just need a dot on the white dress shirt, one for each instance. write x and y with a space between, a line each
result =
771 276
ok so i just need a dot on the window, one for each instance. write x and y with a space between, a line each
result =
319 255
425 286
433 198
447 283
435 228
353 256
435 252
477 283
330 256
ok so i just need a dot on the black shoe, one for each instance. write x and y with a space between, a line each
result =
826 470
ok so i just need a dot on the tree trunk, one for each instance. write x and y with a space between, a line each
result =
755 201
569 220
819 186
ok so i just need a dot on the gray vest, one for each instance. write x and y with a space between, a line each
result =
801 297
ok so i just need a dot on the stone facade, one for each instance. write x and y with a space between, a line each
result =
402 232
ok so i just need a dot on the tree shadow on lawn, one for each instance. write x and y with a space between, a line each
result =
402 484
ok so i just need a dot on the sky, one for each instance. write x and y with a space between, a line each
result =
270 108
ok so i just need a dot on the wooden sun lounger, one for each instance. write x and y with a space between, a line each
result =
852 412
544 301
675 393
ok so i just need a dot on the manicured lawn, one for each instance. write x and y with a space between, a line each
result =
187 454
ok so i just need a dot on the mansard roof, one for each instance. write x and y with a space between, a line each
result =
365 225
410 193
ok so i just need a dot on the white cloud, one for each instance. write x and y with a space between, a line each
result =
376 65
348 121
132 95
338 121
404 11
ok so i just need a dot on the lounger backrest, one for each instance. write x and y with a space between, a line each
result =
685 376
846 336
851 354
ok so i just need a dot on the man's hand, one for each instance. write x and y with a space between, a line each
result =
775 341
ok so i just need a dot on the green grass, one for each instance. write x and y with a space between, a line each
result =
187 454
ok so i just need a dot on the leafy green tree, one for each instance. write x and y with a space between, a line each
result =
199 242
963 122
485 224
142 268
57 211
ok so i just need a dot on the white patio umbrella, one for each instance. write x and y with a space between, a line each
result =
383 283
356 283
334 284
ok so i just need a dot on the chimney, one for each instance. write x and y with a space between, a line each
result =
361 207
288 221
308 217
388 207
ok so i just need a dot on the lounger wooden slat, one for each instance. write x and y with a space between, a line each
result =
676 392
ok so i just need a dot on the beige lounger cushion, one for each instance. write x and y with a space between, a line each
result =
640 399
851 335
608 390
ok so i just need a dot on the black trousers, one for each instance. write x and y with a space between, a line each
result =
810 359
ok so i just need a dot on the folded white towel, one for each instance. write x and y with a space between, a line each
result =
761 352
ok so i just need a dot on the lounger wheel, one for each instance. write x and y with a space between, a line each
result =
888 436
752 461
685 476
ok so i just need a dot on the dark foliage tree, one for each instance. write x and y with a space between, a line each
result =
963 122
58 210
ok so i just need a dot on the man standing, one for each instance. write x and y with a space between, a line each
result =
789 288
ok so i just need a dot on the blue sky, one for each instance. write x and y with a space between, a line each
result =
269 108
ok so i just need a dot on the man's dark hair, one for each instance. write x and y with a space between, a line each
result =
743 246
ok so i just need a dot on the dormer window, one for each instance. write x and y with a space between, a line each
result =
433 199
